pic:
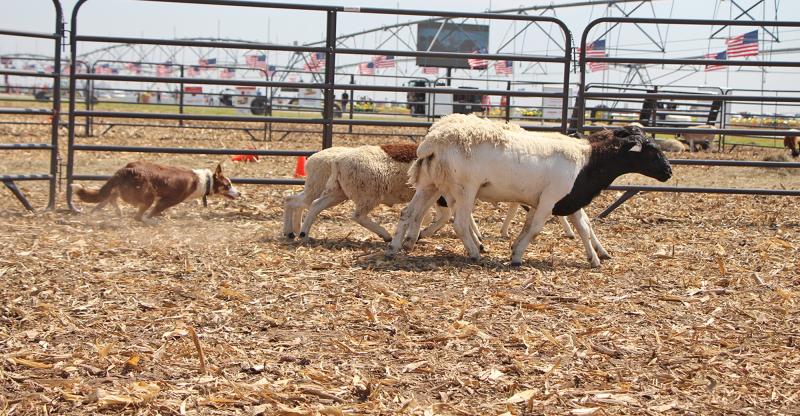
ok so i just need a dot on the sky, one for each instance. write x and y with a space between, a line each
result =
137 18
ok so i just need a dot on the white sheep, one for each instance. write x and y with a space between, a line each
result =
473 159
697 141
367 175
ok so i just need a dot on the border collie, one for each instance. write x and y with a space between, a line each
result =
143 184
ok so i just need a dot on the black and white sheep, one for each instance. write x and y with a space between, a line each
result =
473 159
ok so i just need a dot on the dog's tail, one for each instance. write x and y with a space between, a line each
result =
95 195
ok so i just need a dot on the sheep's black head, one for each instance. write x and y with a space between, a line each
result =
640 154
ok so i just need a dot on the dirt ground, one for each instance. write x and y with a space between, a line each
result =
212 312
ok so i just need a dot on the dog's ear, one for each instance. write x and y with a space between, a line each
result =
218 172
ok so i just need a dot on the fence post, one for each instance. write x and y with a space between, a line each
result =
73 48
508 103
329 96
350 101
180 98
56 121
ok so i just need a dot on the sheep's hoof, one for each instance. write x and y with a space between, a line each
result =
387 239
303 235
516 263
475 258
289 236
604 256
595 263
570 236
389 253
408 245
481 249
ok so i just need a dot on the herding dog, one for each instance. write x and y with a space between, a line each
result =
143 183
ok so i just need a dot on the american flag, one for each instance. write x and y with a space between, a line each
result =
193 71
65 69
227 73
205 63
134 67
164 70
49 69
383 61
480 62
504 67
271 70
257 61
103 69
430 70
5 60
29 67
743 45
316 63
721 56
596 49
366 68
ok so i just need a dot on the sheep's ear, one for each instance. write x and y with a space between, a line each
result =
631 145
218 172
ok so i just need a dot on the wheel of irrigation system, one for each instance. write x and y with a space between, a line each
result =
259 106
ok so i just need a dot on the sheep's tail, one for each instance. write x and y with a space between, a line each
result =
96 195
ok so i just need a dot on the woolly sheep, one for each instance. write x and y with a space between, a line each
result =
470 159
367 175
697 141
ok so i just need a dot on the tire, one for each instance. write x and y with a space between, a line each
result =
259 106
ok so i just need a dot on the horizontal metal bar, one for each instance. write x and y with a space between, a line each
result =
736 132
196 117
191 150
694 190
27 74
248 181
199 43
29 34
200 81
425 124
22 146
703 97
737 163
25 111
237 3
683 61
35 177
701 22
440 90
433 54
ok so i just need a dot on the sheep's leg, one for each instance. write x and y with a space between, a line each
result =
329 198
565 225
475 233
292 214
584 231
464 204
534 222
601 252
512 211
443 214
361 216
413 212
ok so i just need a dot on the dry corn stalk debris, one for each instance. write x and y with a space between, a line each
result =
211 312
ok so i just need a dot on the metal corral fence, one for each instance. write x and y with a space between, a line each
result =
584 95
328 86
158 97
54 113
759 116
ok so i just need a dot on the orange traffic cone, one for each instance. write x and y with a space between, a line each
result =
300 169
